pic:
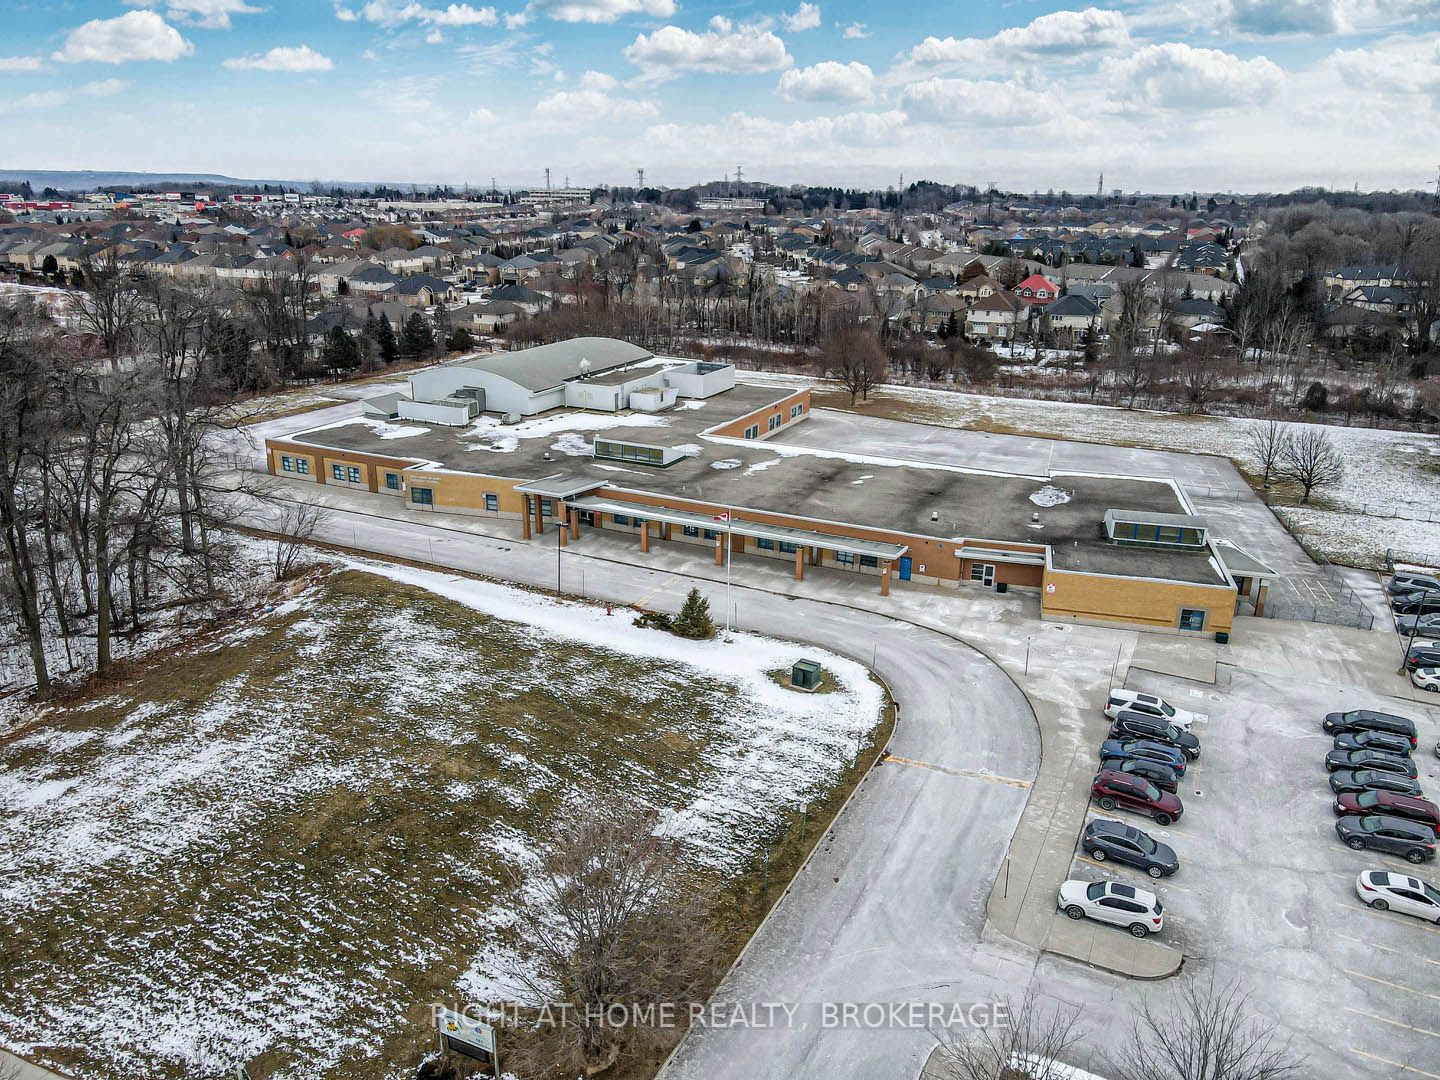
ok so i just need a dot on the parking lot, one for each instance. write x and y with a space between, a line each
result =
1266 890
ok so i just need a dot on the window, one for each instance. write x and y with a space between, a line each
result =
547 508
302 466
764 544
287 463
392 481
844 558
422 496
775 421
337 471
753 431
587 517
1192 619
869 560
353 474
492 501
690 530
796 410
711 534
620 519
787 547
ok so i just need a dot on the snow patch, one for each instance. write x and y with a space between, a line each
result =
1050 495
726 463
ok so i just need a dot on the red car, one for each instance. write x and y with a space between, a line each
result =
1389 802
1117 790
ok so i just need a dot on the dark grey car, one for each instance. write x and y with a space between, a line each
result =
1383 741
1370 760
1133 725
1410 839
1368 720
1105 839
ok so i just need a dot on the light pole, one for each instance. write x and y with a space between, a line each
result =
562 524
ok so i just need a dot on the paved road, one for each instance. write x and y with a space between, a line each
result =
892 907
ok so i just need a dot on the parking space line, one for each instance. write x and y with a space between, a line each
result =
1397 920
1393 1023
1393 985
1107 865
1368 944
1395 1064
967 774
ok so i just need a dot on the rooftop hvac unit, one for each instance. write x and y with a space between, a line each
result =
511 418
805 675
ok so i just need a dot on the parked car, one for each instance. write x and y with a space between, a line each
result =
1372 760
1419 624
1131 725
1427 655
1406 581
1104 839
1383 741
1158 773
1410 839
1116 790
1138 911
1426 678
1122 700
1390 803
1385 891
1343 780
1147 749
1368 720
1415 603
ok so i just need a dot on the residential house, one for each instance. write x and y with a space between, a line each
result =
995 319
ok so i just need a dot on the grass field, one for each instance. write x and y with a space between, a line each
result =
280 847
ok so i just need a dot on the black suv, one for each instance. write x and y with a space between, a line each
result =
1133 725
1419 656
1346 780
1370 759
1104 839
1368 720
1383 741
1414 841
1415 603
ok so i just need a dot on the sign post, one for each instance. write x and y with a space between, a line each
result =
474 1039
724 518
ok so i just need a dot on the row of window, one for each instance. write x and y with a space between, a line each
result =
1156 534
753 431
349 473
298 465
618 451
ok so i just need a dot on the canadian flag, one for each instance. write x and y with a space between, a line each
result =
724 515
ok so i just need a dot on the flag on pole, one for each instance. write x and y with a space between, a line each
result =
724 515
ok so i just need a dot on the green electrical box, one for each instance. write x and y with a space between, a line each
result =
805 675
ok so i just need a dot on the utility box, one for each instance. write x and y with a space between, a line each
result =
805 675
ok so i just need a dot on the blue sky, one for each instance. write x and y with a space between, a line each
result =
1187 94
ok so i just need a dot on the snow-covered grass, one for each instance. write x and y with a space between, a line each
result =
286 843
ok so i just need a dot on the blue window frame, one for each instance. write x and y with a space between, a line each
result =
492 502
392 481
787 547
422 496
620 519
844 558
547 508
287 463
764 544
711 534
1192 618
337 471
775 421
869 560
302 466
353 474
690 530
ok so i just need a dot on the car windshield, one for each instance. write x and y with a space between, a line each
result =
1167 708
1371 823
1368 799
1094 892
1431 893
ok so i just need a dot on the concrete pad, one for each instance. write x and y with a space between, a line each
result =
1185 658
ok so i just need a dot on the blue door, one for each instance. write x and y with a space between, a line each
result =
904 567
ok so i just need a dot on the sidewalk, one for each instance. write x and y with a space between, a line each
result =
17 1068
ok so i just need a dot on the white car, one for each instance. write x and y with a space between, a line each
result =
1136 910
1384 890
1427 678
1150 705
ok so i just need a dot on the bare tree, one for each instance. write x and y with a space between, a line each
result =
856 360
1311 460
1030 1044
1267 444
1207 1033
295 522
110 306
615 921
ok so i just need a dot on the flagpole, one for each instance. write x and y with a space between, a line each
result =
729 550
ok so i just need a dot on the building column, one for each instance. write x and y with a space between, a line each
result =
645 536
539 518
563 525
525 518
800 564
720 550
885 580
665 530
1260 598
574 517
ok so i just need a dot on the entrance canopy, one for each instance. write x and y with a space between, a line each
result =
1241 564
800 537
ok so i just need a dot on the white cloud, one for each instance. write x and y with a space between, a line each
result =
516 20
1178 76
595 101
828 80
1267 17
856 31
805 17
291 58
136 35
369 54
206 14
743 133
20 63
602 11
53 99
1403 64
1073 35
434 37
976 103
481 117
397 13
723 48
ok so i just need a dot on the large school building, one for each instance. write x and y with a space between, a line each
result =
597 434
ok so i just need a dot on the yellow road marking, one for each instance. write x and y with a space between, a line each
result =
1368 944
967 774
652 594
1394 1023
1394 985
1395 1064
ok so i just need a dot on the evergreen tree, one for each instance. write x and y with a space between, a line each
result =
694 620
460 340
340 352
385 339
416 337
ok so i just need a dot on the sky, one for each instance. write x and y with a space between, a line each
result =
1159 95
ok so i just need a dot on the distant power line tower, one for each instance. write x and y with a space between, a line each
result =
547 179
1100 186
639 178
739 176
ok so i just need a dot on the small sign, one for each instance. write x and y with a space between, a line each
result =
462 1035
1050 587
920 569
